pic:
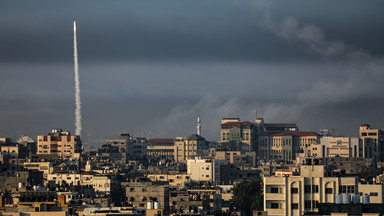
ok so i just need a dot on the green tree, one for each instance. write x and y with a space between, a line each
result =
248 196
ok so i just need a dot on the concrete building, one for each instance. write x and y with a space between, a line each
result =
161 149
179 179
140 192
132 149
285 145
295 195
372 145
61 143
44 167
206 170
337 147
232 129
190 147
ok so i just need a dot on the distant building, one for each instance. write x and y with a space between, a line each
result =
132 149
285 145
232 129
60 143
161 149
190 147
339 147
372 145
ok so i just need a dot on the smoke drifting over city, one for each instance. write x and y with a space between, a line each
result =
151 69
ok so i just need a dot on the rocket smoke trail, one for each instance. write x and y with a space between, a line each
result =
77 84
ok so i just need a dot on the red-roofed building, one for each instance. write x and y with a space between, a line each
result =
232 129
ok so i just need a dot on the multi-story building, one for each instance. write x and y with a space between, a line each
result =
232 129
44 167
337 147
372 143
133 149
207 170
139 193
285 145
161 149
190 147
295 195
61 143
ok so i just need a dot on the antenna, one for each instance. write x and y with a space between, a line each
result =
198 126
255 110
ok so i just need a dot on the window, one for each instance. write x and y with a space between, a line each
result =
347 189
274 205
328 191
374 194
315 203
307 188
294 206
294 190
315 188
274 190
307 204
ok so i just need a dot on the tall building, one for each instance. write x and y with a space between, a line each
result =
372 145
232 129
61 143
190 147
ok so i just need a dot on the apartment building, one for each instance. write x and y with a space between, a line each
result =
161 149
232 129
61 143
285 145
295 195
372 143
190 147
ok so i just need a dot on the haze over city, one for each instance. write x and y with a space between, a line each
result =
151 67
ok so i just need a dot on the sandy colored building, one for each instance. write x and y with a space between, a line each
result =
296 195
372 145
232 129
337 147
161 149
61 143
44 167
190 147
174 179
285 145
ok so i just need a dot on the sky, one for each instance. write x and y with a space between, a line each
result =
150 68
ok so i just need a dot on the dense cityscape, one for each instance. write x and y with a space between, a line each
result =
256 168
187 108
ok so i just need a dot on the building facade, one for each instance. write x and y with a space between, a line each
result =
61 143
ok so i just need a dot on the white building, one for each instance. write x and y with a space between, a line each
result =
205 169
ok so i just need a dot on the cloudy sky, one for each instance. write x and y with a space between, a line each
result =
151 67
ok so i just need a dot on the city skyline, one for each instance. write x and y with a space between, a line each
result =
152 68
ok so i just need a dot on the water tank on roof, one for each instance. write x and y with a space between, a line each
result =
366 199
355 198
156 205
338 199
346 198
149 205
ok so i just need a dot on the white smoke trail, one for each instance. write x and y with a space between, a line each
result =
77 84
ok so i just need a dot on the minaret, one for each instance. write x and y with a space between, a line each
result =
198 126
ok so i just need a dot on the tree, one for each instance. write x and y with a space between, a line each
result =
248 196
